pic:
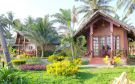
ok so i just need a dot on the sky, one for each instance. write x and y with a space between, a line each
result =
38 8
34 8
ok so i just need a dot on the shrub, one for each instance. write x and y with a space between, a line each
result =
32 67
116 60
85 62
54 58
77 61
22 56
64 68
34 60
47 53
11 76
106 59
18 62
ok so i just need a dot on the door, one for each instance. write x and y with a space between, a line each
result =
96 46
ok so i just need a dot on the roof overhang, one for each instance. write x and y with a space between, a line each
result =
92 19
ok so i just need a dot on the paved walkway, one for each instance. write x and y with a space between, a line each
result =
97 66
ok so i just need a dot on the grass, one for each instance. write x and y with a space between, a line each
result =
84 76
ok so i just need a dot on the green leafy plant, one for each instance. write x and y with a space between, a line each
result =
85 62
34 60
54 58
22 56
77 61
11 76
12 51
63 68
18 62
116 60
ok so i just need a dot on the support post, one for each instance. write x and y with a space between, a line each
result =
112 42
91 39
19 46
24 44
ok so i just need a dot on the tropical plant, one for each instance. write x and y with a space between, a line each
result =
90 6
10 76
18 62
54 58
128 5
3 25
80 46
67 18
39 31
64 68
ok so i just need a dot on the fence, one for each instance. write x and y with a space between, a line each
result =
132 48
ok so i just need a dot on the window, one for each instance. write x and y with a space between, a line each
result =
30 47
116 42
95 43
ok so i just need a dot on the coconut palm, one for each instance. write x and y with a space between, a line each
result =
3 26
39 31
90 6
67 18
128 5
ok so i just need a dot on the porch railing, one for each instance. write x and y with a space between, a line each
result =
120 53
131 49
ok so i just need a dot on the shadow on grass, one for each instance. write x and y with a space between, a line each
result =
84 75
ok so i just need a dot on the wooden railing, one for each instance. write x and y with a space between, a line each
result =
120 53
131 49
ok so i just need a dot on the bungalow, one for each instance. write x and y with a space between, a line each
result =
23 45
105 35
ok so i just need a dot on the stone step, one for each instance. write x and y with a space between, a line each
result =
97 60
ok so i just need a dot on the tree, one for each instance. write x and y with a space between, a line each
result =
128 5
3 25
39 31
66 20
90 6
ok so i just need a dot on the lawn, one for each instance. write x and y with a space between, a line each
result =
84 76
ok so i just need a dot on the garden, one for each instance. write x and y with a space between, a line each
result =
43 53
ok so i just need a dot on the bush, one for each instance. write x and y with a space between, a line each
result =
47 53
77 61
54 58
18 62
63 68
85 62
11 76
32 67
116 60
22 56
34 60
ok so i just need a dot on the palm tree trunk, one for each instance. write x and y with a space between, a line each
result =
42 48
5 49
36 51
72 50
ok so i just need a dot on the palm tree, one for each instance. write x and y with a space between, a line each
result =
66 21
39 31
90 6
3 25
128 5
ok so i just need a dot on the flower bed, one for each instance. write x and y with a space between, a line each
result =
32 67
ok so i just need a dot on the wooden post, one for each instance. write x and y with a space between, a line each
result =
24 44
91 39
19 46
112 44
